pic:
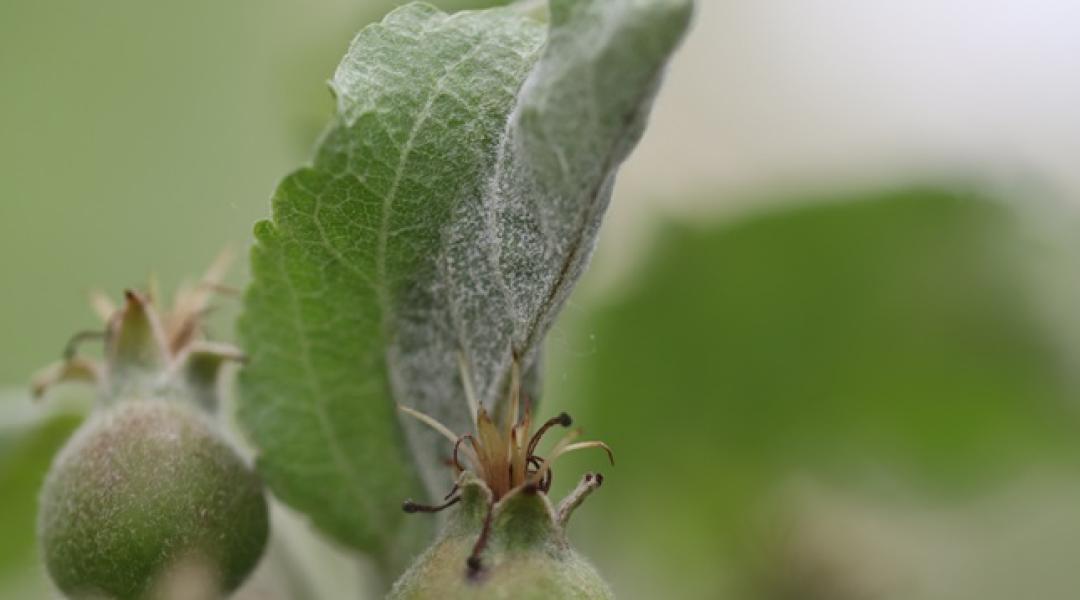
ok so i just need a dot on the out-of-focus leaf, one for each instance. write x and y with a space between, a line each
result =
25 456
449 211
30 434
887 337
1018 541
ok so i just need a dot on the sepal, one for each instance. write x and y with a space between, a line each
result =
136 352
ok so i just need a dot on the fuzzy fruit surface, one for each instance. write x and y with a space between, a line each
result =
146 491
527 558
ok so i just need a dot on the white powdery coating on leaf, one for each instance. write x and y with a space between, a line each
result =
512 255
448 213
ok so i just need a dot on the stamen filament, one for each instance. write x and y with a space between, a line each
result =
545 463
586 445
472 452
430 422
72 347
563 419
412 507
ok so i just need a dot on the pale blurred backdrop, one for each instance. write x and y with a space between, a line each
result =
830 329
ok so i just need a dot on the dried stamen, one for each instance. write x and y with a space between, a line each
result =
538 461
589 483
545 463
76 369
565 446
474 450
563 419
586 445
504 455
430 422
72 347
412 507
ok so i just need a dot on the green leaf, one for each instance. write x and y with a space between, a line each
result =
451 207
515 247
30 434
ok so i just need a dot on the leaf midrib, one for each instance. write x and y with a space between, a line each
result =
325 423
382 290
380 284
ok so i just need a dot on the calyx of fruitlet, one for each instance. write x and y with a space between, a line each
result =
148 500
148 352
503 537
515 547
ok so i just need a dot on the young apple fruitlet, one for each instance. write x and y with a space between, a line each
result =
148 495
503 538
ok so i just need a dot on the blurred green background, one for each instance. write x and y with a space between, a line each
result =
829 329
